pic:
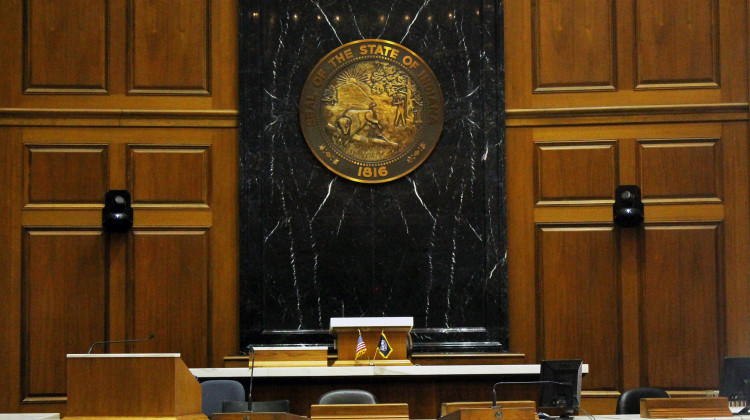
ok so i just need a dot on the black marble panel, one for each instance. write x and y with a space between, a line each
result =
432 244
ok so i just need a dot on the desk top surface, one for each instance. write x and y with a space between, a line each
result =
263 416
432 370
638 416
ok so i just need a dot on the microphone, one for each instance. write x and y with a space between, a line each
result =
136 340
250 387
494 393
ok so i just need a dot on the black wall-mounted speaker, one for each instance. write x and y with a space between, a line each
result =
117 214
628 208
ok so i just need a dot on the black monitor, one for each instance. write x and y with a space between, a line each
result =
735 380
561 384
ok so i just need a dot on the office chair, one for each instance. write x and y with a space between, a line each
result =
629 401
215 392
348 396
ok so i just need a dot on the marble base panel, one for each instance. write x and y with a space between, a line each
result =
430 245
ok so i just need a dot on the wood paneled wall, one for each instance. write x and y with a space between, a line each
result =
142 95
98 95
602 93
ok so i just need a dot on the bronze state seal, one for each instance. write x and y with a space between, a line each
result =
371 111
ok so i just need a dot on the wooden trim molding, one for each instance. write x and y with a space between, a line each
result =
118 117
627 114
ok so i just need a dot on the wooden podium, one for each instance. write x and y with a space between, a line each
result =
154 386
396 329
497 413
397 411
450 407
257 416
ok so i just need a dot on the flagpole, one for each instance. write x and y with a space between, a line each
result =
372 361
362 348
356 351
377 350
373 358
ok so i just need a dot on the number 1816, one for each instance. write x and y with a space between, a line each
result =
368 172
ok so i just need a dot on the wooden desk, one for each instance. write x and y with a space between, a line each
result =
257 416
518 413
423 388
359 412
451 407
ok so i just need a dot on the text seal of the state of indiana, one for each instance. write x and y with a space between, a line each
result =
371 111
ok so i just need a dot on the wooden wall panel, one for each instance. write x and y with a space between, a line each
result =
119 62
11 240
680 170
575 171
664 275
65 304
736 167
180 252
169 55
170 292
65 46
174 175
664 59
677 43
119 94
577 36
678 113
577 299
681 306
65 174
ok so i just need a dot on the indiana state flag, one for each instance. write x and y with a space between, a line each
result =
361 347
384 348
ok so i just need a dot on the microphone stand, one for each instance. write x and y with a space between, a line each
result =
137 340
250 387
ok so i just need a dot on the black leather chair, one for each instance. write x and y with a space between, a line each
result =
215 392
348 396
630 400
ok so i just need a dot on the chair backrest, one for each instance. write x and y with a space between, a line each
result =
277 406
215 392
348 396
630 400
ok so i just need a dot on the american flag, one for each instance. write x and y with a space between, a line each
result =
361 347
